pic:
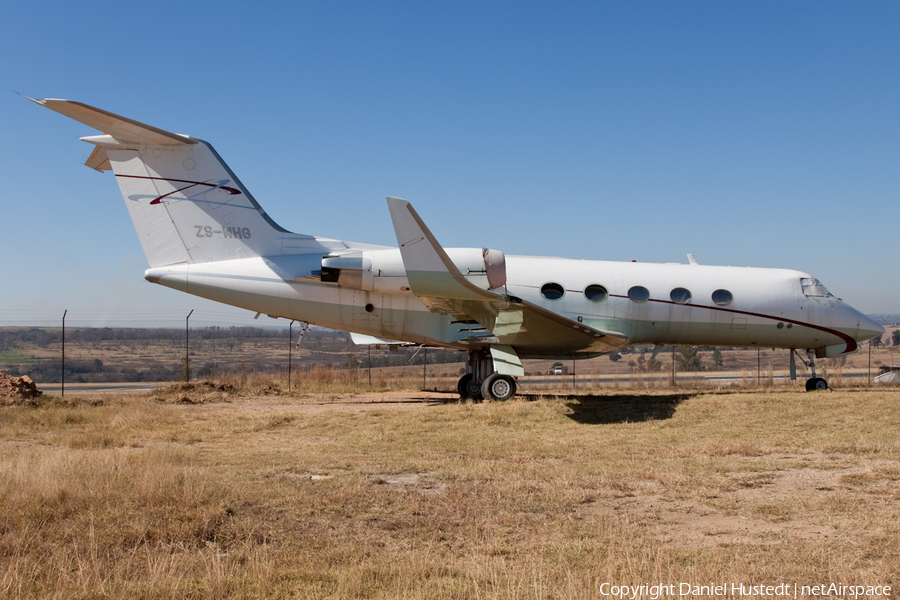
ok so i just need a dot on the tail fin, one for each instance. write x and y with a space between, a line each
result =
186 204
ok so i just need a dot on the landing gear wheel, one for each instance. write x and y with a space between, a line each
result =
467 387
816 384
498 387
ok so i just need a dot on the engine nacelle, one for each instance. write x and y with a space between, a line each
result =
382 271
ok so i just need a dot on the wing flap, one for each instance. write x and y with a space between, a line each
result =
361 339
523 325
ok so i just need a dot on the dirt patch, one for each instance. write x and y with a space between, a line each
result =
424 483
325 402
200 392
752 507
18 390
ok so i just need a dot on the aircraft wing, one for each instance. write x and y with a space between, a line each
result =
508 321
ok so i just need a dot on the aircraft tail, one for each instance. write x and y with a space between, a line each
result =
186 204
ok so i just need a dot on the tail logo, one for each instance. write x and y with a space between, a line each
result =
212 185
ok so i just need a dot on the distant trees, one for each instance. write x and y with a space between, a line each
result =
688 359
717 359
895 337
648 365
94 371
406 357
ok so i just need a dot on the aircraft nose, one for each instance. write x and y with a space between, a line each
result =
868 328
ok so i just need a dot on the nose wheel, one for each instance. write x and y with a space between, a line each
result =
814 383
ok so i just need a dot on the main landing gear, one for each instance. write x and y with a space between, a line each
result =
813 384
481 382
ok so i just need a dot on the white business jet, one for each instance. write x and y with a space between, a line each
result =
204 234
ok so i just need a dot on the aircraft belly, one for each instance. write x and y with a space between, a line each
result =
391 316
742 332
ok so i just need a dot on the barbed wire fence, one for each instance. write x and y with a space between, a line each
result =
19 324
178 345
51 364
137 319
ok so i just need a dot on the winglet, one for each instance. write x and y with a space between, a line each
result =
428 267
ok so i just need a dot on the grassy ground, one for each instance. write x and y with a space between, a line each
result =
211 492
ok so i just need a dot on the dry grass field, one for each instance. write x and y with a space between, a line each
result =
243 491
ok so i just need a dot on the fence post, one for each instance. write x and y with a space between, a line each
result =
187 354
290 350
63 368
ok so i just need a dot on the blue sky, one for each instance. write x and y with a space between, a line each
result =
752 134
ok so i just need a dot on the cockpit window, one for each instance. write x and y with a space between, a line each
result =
814 288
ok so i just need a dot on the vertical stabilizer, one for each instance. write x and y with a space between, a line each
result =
186 204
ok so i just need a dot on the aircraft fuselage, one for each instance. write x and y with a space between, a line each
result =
767 308
203 233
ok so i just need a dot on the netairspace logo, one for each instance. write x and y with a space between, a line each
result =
739 590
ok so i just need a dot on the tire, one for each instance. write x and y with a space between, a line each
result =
816 384
498 387
462 386
468 388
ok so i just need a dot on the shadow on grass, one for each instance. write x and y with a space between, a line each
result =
602 410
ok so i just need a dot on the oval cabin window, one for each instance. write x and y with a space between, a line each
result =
552 291
596 293
722 297
680 295
639 294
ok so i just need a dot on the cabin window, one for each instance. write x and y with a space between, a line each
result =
722 297
814 288
552 291
639 294
596 293
680 296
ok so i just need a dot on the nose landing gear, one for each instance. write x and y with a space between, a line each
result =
813 384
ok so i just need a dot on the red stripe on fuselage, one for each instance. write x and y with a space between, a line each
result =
851 343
